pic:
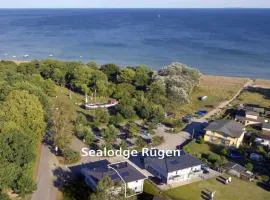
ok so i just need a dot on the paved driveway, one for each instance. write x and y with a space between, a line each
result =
172 140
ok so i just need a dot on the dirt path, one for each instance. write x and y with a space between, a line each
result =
221 106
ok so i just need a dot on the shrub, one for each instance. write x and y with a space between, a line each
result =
224 152
200 141
70 156
157 140
264 178
249 166
4 196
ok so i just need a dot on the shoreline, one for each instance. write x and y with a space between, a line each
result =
203 75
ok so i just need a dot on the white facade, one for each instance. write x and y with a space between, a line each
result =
262 141
249 116
266 129
184 174
136 186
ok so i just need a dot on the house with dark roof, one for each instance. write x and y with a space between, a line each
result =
266 127
121 172
264 137
225 132
249 117
174 169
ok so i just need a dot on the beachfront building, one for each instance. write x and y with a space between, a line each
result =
225 132
121 172
174 169
249 118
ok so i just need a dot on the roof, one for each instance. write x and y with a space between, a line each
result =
126 171
266 126
174 163
253 107
252 113
227 127
265 135
236 167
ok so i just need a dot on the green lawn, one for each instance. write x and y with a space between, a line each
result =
152 190
237 190
197 149
253 98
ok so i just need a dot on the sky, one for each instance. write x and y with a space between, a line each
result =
134 3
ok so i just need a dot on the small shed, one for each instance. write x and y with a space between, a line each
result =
239 171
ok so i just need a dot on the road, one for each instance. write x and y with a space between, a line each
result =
46 189
224 104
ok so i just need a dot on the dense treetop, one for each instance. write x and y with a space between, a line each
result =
32 104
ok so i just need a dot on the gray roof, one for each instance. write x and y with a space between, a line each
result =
236 167
174 163
252 113
228 127
126 171
266 126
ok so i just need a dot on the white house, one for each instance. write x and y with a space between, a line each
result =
174 169
122 173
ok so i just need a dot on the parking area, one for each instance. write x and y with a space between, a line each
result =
171 140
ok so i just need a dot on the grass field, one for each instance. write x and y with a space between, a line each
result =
253 98
195 148
237 190
217 88
262 82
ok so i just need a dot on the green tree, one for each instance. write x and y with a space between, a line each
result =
126 75
142 77
110 134
249 166
116 119
106 190
63 118
111 70
123 145
132 129
101 116
25 111
16 147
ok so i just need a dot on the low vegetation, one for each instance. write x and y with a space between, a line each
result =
234 190
217 88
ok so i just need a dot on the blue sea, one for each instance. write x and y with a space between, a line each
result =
233 42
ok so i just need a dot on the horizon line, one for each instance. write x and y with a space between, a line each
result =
136 8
